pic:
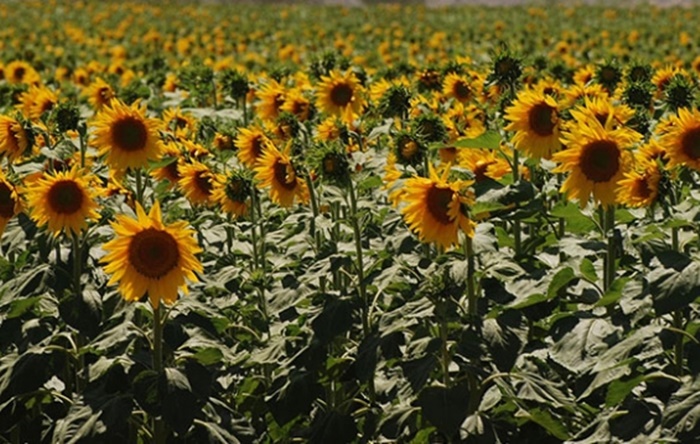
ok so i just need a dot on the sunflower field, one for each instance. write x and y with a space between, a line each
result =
383 224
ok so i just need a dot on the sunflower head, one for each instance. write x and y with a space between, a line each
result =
64 201
277 172
409 149
234 83
640 186
395 102
679 93
149 257
16 137
10 203
125 136
534 117
429 79
332 162
430 127
609 75
507 68
233 193
67 117
639 72
640 93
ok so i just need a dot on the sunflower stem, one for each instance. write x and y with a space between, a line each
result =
472 297
245 111
139 186
312 226
362 285
609 228
678 318
80 376
444 349
517 235
159 432
81 139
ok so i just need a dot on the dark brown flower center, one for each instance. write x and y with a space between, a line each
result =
642 189
690 143
600 160
7 203
461 90
256 145
341 94
153 253
203 182
65 197
438 200
130 134
19 74
285 176
542 119
172 171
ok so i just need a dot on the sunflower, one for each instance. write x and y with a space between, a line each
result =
457 87
36 101
196 182
19 71
277 172
436 208
178 122
233 193
484 164
272 96
169 171
147 256
596 159
682 139
99 94
535 118
251 142
126 136
14 139
297 104
640 187
64 200
341 95
10 204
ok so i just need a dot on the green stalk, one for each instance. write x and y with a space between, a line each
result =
678 318
362 285
608 228
445 352
139 185
312 226
80 375
159 432
517 235
472 297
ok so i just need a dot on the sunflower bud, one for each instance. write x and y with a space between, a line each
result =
67 117
638 94
235 84
395 102
609 75
678 93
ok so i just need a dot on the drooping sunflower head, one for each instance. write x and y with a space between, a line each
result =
64 201
277 172
149 257
534 117
126 136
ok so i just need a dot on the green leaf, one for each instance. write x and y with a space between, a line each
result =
674 281
20 306
549 423
445 408
576 221
614 293
209 356
560 280
618 390
587 270
489 140
179 404
335 319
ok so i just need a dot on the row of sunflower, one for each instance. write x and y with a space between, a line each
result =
407 233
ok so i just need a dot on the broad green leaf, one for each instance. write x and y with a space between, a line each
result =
445 408
489 140
674 281
559 281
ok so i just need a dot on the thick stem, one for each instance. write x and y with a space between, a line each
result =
609 227
445 352
159 432
472 299
80 374
139 185
678 349
362 285
315 235
517 235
